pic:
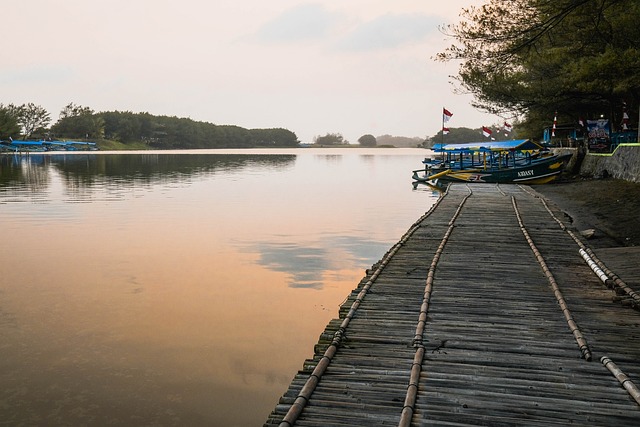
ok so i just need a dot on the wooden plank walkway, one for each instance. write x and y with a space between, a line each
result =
484 313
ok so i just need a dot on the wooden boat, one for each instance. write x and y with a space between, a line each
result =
39 146
516 161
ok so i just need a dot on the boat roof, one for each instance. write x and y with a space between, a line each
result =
486 146
40 143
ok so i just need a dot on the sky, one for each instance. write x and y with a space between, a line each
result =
352 67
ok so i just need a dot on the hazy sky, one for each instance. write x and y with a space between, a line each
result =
313 67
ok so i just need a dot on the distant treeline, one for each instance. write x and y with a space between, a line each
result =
128 130
30 121
164 132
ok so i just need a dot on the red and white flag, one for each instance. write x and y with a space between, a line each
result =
445 131
446 115
486 131
508 127
555 121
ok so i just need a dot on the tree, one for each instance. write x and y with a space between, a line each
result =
165 132
368 140
330 139
77 121
399 141
31 118
9 126
464 135
273 138
531 58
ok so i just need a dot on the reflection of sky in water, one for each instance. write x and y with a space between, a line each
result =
154 268
308 266
304 265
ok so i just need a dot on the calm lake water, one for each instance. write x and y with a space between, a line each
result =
182 288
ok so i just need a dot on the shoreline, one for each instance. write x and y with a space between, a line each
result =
609 206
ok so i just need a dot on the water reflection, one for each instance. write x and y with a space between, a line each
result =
18 171
304 266
171 289
79 170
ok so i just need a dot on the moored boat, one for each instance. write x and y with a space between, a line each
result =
516 161
45 145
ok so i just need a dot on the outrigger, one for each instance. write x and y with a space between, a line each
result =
515 161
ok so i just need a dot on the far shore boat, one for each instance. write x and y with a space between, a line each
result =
516 161
45 145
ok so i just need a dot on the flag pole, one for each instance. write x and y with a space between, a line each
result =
442 139
442 128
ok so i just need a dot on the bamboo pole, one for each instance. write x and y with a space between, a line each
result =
622 378
416 368
295 410
582 342
613 279
591 263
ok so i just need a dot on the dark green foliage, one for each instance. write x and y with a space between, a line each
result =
277 137
78 122
330 139
531 58
31 120
165 132
463 135
9 126
367 140
160 132
34 119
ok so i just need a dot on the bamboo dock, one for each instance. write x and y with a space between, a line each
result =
489 311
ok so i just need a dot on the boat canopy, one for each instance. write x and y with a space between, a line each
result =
489 146
25 143
45 143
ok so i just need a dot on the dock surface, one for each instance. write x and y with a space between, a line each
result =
489 311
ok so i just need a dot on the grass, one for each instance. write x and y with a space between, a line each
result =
110 145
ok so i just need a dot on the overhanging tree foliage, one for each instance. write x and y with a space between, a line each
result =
531 58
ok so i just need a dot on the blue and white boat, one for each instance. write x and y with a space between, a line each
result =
514 161
44 145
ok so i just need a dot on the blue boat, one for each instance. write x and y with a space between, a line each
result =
43 145
514 161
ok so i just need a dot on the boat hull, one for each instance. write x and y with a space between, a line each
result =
540 172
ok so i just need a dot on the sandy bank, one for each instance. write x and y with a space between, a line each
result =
610 206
